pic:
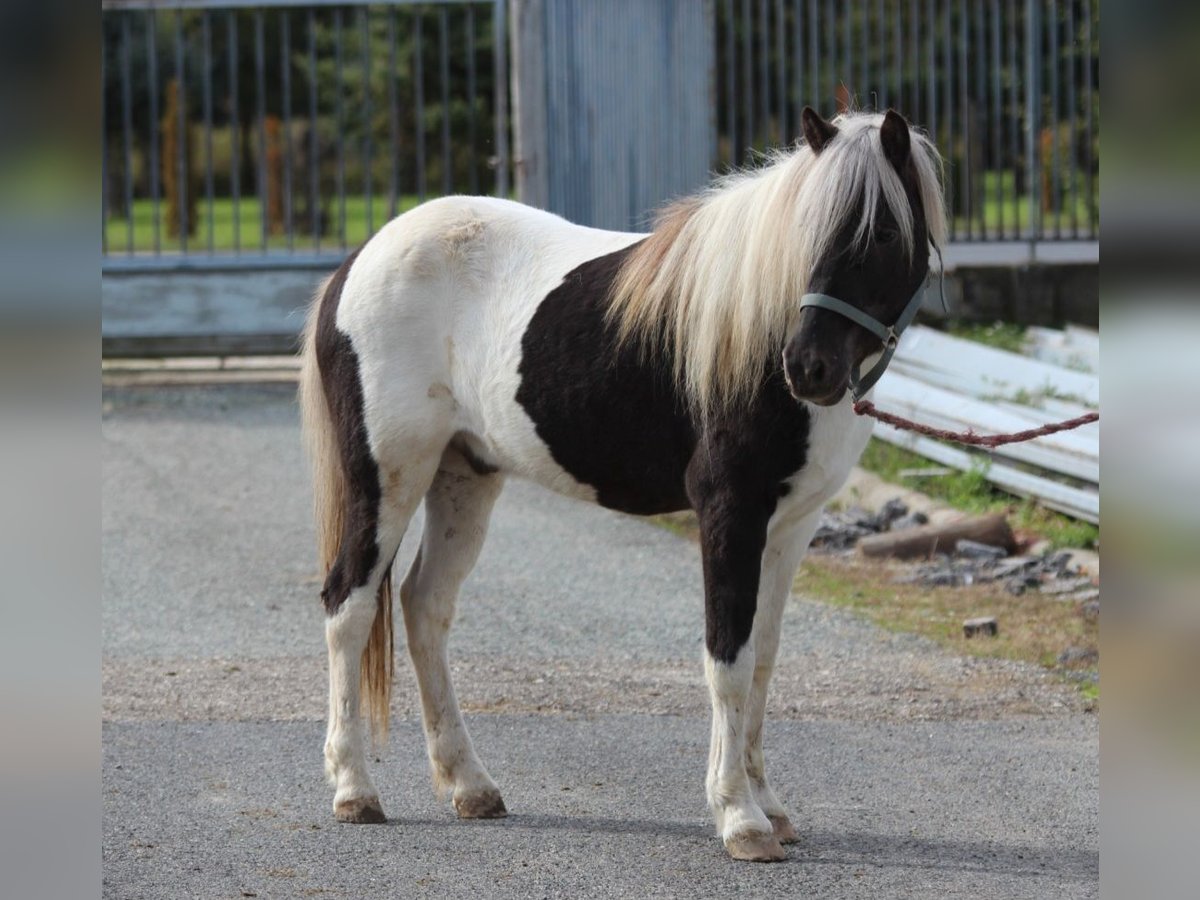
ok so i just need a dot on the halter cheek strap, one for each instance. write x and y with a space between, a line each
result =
889 335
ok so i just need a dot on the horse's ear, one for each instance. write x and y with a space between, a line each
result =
896 142
817 132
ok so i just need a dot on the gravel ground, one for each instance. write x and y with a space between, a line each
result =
577 654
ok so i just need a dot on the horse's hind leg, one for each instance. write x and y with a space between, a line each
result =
349 627
457 508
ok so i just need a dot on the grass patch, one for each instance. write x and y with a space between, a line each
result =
1033 628
1001 335
238 225
972 492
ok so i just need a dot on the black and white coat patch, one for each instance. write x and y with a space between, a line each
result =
474 339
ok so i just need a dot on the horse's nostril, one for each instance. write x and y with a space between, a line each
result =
816 371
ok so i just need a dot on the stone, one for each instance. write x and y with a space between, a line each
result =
976 550
981 625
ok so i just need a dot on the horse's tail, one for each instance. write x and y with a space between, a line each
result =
329 504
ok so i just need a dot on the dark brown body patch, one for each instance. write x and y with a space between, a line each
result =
614 419
340 379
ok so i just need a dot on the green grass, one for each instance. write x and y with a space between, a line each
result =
248 234
1003 212
1034 628
241 225
972 492
1001 335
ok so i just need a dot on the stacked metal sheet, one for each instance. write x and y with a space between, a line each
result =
956 384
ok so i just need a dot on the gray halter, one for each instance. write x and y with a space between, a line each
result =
889 335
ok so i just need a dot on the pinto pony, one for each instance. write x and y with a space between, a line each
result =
473 339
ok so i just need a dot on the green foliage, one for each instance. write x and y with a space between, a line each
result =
1002 335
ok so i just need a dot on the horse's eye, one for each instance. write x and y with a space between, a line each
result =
886 235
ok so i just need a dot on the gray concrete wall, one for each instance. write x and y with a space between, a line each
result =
199 311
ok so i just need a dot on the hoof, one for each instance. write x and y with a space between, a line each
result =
360 811
756 847
484 805
784 832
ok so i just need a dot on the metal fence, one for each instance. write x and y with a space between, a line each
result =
1008 89
272 131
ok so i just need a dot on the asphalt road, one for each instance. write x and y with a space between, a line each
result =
912 772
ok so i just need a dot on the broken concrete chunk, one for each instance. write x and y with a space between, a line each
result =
1079 656
982 625
976 550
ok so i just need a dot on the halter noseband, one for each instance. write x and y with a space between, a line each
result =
889 335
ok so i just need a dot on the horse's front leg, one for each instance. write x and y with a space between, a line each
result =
786 543
732 534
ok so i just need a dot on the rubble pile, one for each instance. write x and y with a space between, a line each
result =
969 562
841 530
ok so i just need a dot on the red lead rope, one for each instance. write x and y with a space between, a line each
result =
867 408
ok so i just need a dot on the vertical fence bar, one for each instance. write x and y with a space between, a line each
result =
747 79
1033 99
127 129
997 123
931 82
182 189
879 77
764 76
831 51
898 58
798 43
339 129
1072 54
419 103
285 38
781 71
393 117
863 88
364 55
1055 163
206 102
235 138
1089 160
911 66
979 119
814 83
472 135
858 93
444 77
314 145
500 56
964 99
948 106
152 73
1014 151
731 120
104 161
260 96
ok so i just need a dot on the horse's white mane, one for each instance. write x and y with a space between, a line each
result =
719 280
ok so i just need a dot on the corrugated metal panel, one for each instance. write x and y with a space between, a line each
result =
626 96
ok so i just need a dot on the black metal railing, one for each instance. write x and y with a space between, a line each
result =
278 129
269 130
1007 88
